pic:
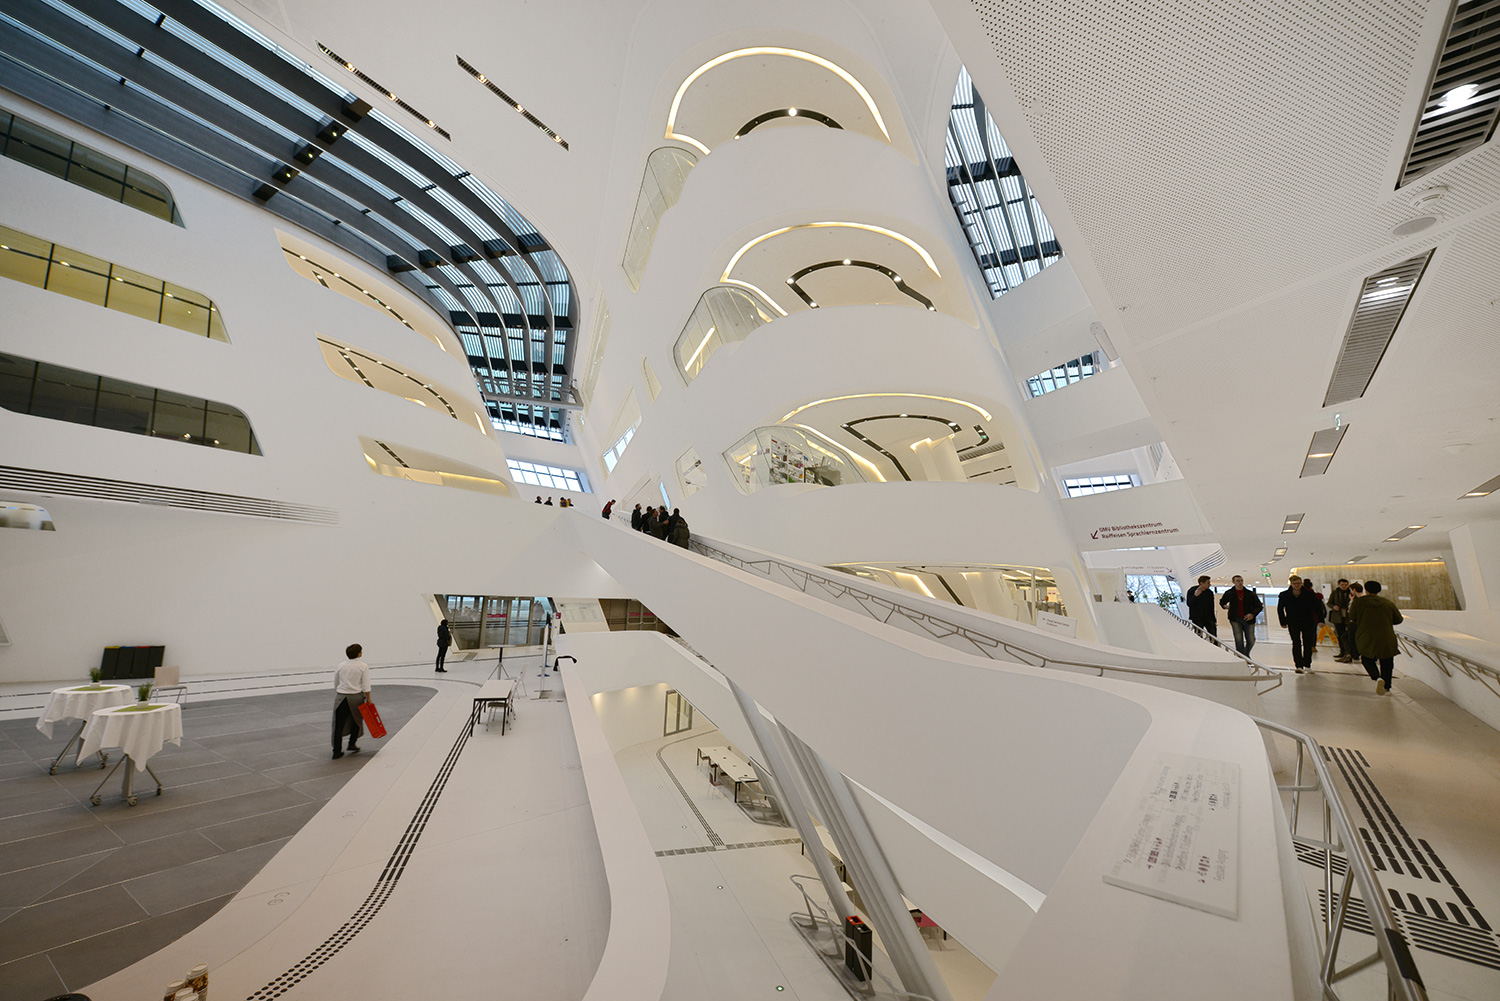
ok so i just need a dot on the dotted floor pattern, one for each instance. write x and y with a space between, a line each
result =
395 866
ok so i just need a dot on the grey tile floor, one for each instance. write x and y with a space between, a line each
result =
86 891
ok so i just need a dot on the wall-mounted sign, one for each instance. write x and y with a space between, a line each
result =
1052 622
1139 530
1183 844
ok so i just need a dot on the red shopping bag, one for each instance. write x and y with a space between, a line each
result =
372 719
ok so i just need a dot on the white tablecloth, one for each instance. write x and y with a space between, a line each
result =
140 733
79 702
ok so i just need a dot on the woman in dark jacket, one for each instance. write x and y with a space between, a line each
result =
1373 618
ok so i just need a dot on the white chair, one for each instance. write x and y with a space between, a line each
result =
168 679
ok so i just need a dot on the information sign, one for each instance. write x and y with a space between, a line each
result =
1183 843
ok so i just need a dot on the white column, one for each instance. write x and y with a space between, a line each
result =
1476 564
938 460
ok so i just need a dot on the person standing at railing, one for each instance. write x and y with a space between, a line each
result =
1373 619
608 508
635 518
1243 605
1200 603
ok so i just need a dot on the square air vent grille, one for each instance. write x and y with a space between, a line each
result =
1463 96
1382 302
1320 452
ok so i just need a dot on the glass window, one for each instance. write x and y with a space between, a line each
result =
618 449
66 394
24 258
552 477
124 406
135 293
1065 374
82 276
40 147
78 275
1085 485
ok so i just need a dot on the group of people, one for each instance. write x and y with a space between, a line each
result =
1363 620
656 522
548 502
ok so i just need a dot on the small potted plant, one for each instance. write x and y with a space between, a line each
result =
144 693
94 674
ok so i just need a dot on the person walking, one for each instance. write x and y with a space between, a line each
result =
635 518
351 688
1338 617
680 535
608 508
1200 603
1373 618
1300 613
1243 605
444 640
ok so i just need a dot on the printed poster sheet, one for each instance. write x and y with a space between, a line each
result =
1185 844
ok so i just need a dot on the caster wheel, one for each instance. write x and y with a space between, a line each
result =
52 770
158 792
95 800
131 801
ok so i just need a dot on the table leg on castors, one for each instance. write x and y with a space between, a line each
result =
95 798
77 738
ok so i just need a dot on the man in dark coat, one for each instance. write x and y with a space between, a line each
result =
444 640
1243 605
1300 612
1338 617
635 518
1372 616
1200 603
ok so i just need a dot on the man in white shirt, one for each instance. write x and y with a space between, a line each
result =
351 686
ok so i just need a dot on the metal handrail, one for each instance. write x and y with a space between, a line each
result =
838 936
981 642
1202 633
1403 981
1443 660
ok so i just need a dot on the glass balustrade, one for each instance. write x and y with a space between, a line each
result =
666 171
780 455
723 316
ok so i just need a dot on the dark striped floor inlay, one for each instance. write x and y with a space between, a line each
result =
713 836
700 849
1429 905
395 866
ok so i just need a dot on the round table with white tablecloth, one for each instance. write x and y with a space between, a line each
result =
79 702
140 730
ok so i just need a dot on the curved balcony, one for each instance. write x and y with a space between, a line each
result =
722 316
781 455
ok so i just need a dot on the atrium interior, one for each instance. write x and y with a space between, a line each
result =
921 357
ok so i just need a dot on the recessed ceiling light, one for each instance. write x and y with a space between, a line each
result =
847 261
1459 96
792 112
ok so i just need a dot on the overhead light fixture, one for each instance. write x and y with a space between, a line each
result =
1408 530
1484 489
1321 450
1463 92
1356 559
1383 299
1292 522
791 112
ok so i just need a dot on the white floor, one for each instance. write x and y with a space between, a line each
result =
504 886
1425 770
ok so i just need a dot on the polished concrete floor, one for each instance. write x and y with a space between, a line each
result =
1421 779
86 891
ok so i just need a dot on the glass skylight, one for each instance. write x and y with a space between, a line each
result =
553 477
1007 232
1065 374
1085 485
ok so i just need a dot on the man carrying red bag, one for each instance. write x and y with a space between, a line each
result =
351 686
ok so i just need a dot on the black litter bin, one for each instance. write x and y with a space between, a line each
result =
858 943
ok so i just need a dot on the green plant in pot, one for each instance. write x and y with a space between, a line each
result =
144 693
94 674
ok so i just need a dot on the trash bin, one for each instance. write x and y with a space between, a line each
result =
858 943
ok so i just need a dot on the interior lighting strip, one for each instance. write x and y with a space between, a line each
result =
849 427
1408 530
490 86
900 238
869 466
348 354
1463 92
896 280
366 292
1356 559
906 396
767 50
1321 451
1292 523
1484 489
390 94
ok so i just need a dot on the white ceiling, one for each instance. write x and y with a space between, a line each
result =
1229 176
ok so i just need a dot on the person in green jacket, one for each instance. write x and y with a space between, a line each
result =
1372 618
